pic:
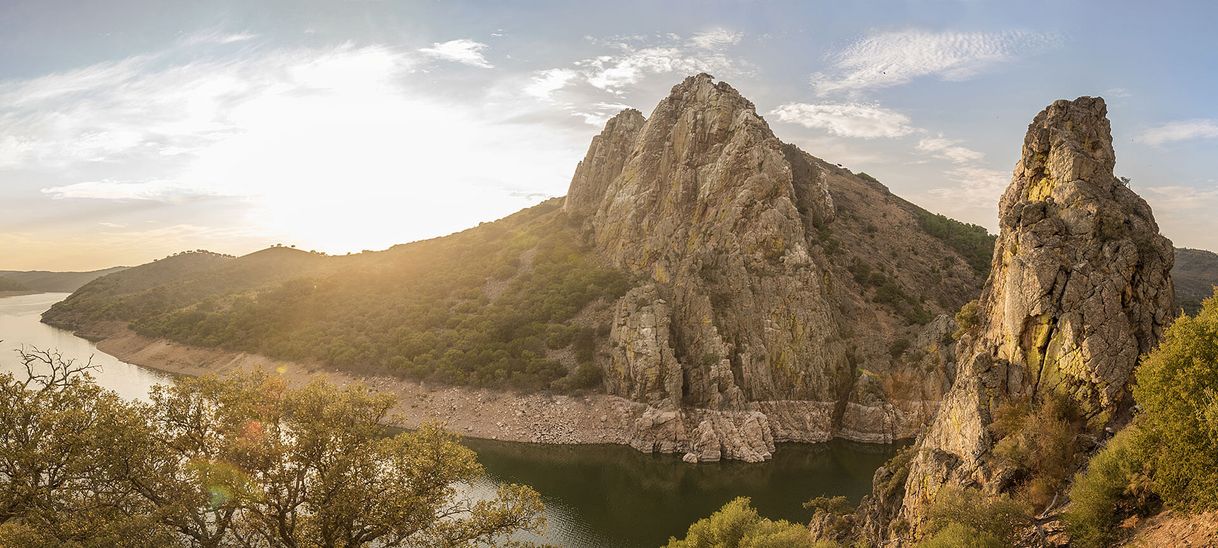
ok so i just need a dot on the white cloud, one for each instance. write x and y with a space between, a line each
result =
846 120
976 187
1180 198
157 191
615 72
1184 130
217 36
716 38
546 82
599 113
462 50
894 58
1117 93
319 147
949 149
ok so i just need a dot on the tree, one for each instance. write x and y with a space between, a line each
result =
1177 389
737 524
246 461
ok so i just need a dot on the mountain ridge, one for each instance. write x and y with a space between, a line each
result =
739 290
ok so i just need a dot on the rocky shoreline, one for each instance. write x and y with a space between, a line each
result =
702 435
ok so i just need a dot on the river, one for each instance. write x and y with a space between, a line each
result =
595 495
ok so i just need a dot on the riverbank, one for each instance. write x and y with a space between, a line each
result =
4 294
478 413
700 435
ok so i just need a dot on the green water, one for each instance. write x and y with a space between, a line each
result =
609 495
595 495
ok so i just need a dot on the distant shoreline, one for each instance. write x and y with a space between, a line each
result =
20 293
475 413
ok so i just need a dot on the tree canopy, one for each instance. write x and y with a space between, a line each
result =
246 461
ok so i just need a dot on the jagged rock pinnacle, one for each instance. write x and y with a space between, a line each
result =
1080 288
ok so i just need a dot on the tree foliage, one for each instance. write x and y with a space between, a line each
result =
973 242
484 307
1177 389
246 461
737 524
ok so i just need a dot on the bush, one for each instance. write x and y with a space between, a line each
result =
956 535
996 518
972 242
737 524
1112 488
1042 439
1177 388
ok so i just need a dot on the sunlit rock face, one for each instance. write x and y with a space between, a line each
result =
746 327
1080 288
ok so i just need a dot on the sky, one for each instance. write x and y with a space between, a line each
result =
133 129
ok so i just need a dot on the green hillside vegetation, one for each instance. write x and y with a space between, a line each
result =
973 242
52 282
1169 456
244 461
483 307
11 285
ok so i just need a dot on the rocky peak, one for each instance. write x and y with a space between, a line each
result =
1080 288
606 156
748 325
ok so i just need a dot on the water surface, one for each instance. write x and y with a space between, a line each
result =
595 495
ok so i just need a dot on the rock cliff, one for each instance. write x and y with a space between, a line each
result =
756 318
1080 288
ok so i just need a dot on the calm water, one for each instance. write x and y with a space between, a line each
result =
599 495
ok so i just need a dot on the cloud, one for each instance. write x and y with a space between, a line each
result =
846 120
949 149
615 72
217 37
317 146
462 50
716 38
599 113
895 58
1184 130
976 187
157 191
546 82
1180 198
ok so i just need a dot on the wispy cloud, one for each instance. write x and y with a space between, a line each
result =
614 73
847 119
975 187
1184 130
949 149
716 38
157 191
462 50
546 82
217 37
895 58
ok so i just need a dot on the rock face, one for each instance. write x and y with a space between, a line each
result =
1080 288
749 326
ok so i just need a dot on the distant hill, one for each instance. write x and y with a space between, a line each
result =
1195 275
697 262
50 282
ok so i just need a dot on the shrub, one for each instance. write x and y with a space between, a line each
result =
956 535
1042 439
1111 488
996 517
1177 387
737 524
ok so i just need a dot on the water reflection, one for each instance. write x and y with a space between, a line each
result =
595 495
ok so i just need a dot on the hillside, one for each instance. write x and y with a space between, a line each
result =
699 265
50 282
1195 275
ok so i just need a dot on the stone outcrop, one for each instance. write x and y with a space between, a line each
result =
1080 288
752 324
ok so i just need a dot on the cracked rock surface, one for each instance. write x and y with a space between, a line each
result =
1080 288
